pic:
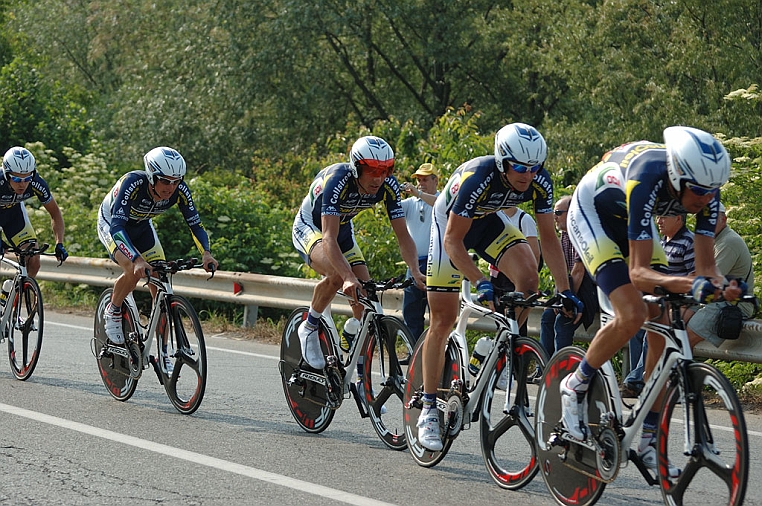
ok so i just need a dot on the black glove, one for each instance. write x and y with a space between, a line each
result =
61 253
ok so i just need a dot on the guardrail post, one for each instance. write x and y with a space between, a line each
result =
250 315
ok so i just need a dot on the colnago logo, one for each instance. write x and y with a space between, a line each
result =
315 378
649 207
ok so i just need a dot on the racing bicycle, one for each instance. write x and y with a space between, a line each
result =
22 316
172 318
382 344
506 417
701 427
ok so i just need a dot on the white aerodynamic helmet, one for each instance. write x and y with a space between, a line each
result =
164 162
520 143
695 157
371 151
19 160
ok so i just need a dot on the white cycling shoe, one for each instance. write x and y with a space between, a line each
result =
310 341
573 411
428 430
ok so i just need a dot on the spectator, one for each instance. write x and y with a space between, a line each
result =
733 259
418 219
556 329
677 242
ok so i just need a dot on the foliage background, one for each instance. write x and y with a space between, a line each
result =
259 95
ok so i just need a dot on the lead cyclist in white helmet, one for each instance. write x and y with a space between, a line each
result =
20 181
126 230
611 224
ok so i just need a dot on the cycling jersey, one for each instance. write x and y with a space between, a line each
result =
616 201
477 191
334 192
124 218
14 219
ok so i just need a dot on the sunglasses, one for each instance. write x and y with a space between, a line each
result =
521 169
698 189
559 212
377 168
17 179
167 181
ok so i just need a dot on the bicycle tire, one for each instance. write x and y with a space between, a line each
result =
114 370
305 400
565 483
25 328
414 388
386 351
508 466
186 385
718 458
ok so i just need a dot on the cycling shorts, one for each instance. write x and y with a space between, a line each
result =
305 235
597 225
16 225
142 235
490 237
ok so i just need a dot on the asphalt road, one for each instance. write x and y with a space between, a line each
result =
65 440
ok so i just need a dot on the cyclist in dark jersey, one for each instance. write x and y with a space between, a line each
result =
611 224
126 230
20 181
465 217
324 236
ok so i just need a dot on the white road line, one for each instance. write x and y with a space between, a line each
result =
197 458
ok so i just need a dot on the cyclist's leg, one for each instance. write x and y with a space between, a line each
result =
20 233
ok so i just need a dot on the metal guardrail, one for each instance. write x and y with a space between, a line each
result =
255 290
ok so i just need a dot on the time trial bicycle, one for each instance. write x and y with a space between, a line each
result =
382 345
172 319
701 427
506 427
22 316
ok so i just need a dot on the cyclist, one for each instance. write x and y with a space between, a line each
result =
126 230
323 232
466 217
611 223
20 182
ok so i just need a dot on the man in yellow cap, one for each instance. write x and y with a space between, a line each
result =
418 218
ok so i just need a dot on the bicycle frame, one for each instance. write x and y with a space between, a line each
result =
676 351
147 332
507 328
21 273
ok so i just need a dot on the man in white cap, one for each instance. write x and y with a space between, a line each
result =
418 218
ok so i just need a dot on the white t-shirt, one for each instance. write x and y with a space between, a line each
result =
418 219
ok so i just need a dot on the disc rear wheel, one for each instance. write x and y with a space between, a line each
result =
306 399
114 368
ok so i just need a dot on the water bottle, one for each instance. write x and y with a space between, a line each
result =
483 346
7 284
351 327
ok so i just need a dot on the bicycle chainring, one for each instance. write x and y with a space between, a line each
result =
454 420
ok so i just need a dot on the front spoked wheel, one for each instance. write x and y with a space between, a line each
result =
449 424
387 354
186 385
507 424
115 368
567 468
718 456
307 399
25 329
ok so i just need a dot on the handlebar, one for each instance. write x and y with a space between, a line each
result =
174 266
685 299
30 252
